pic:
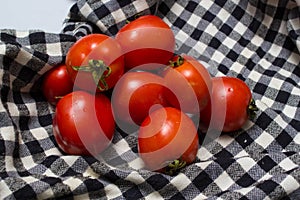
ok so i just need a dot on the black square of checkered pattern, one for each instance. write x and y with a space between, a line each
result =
202 181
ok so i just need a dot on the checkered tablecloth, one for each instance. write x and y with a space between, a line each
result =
257 41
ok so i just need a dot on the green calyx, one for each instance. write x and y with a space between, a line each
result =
99 71
252 109
176 62
173 167
134 18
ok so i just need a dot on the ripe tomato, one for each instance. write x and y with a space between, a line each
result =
56 84
135 94
190 82
83 124
95 61
230 106
148 39
167 140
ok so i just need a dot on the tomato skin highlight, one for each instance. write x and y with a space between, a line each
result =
167 134
148 39
191 84
135 95
95 47
83 124
228 108
56 83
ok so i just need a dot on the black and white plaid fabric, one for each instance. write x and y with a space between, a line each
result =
256 41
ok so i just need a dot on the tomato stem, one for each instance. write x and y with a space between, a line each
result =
174 166
134 18
177 61
252 108
99 71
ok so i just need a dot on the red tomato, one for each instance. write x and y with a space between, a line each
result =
190 82
167 140
148 39
230 106
56 84
83 124
95 62
135 94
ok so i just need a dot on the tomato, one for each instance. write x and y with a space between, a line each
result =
95 62
167 140
56 84
230 106
83 124
136 94
148 39
190 82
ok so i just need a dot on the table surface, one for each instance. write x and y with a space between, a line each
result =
47 15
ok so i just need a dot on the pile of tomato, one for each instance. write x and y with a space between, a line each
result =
135 81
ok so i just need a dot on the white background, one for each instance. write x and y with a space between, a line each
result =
46 15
